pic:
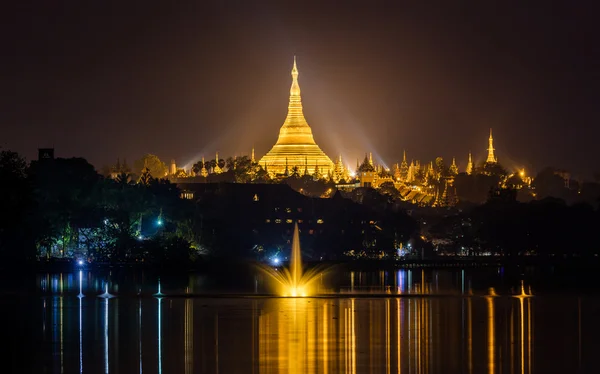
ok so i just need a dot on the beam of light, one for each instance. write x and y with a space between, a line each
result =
140 331
80 296
325 339
62 348
388 334
470 335
159 319
529 334
491 345
189 336
398 334
80 285
106 336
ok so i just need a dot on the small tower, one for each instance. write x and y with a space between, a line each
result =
173 168
371 159
317 174
470 165
287 170
252 160
453 168
338 170
397 174
203 171
491 158
410 174
217 168
404 169
305 166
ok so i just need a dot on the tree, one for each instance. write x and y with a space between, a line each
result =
493 169
440 168
146 177
16 238
155 166
548 183
388 189
65 192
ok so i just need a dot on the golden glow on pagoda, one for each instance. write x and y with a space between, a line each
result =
491 158
295 145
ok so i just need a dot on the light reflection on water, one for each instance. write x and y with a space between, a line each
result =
441 332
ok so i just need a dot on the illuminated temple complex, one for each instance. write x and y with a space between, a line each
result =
296 146
296 155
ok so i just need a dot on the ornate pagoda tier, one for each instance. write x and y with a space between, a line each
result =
295 145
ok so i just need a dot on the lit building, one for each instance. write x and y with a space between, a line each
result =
295 146
366 173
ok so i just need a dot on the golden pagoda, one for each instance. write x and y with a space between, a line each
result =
295 145
491 159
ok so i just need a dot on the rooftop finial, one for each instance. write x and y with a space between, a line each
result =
295 89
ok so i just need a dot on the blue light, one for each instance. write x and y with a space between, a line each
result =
80 262
140 237
159 222
275 261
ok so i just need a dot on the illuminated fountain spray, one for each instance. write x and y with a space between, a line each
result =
80 295
296 260
106 295
294 281
159 294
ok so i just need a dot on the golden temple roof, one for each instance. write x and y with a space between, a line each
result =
295 145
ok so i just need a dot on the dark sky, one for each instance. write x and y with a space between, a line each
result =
102 79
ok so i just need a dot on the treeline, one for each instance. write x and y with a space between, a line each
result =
64 208
547 227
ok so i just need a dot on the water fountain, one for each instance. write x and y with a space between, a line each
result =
80 295
294 281
159 294
106 295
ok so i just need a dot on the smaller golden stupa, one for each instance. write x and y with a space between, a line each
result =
296 146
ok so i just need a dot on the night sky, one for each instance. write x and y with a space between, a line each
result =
103 79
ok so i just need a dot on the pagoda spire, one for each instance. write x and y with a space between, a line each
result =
203 171
491 158
217 168
305 165
454 167
470 165
404 159
371 158
295 129
252 156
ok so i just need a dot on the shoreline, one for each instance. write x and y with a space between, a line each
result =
350 265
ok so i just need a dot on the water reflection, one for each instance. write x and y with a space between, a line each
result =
422 331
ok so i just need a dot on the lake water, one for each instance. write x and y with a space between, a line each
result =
406 321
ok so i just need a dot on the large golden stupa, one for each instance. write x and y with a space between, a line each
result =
295 145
